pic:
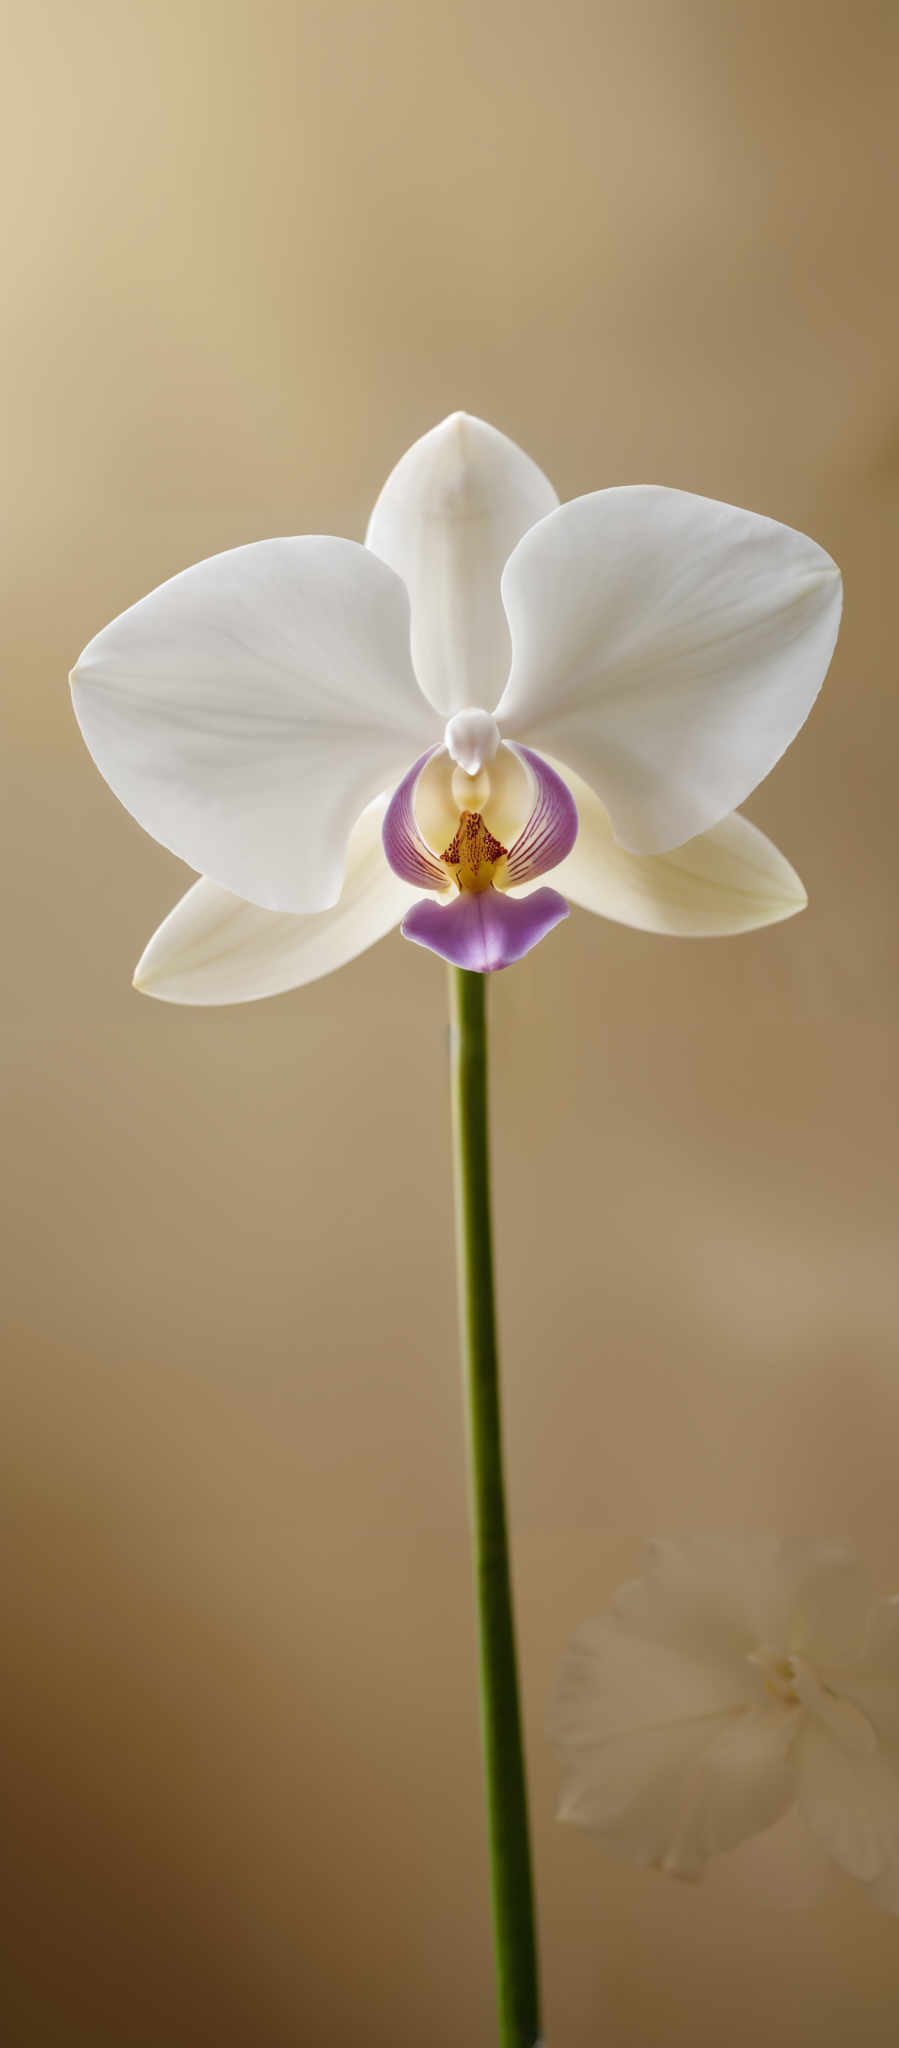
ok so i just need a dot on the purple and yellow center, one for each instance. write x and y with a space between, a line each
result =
436 836
474 857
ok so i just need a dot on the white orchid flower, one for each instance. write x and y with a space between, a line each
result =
327 730
730 1682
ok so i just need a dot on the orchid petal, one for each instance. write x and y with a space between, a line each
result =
217 948
668 648
657 1755
406 851
484 931
730 879
248 709
850 1801
551 829
447 519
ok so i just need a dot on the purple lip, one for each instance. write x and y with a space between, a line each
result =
486 931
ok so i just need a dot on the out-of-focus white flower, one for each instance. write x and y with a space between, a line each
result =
327 730
729 1682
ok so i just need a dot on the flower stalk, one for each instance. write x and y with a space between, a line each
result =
504 1773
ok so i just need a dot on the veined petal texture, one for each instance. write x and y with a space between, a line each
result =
552 828
668 648
447 519
216 948
404 847
247 710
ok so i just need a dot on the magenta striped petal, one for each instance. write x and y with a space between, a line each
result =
485 931
551 829
404 847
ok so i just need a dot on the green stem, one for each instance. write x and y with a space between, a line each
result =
507 1809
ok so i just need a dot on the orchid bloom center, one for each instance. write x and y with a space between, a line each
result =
471 738
474 854
473 833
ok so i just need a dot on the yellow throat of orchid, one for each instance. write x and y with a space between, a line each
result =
473 854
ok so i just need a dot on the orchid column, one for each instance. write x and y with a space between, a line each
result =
495 688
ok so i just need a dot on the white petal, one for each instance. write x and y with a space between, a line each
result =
831 1598
851 1803
728 1597
247 710
730 879
873 1683
840 1718
216 948
447 519
656 1761
613 1680
740 1784
707 1598
668 648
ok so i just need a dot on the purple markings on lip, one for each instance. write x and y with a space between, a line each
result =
404 847
548 835
486 931
551 829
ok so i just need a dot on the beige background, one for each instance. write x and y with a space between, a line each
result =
250 253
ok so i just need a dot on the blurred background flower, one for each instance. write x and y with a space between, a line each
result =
732 1682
